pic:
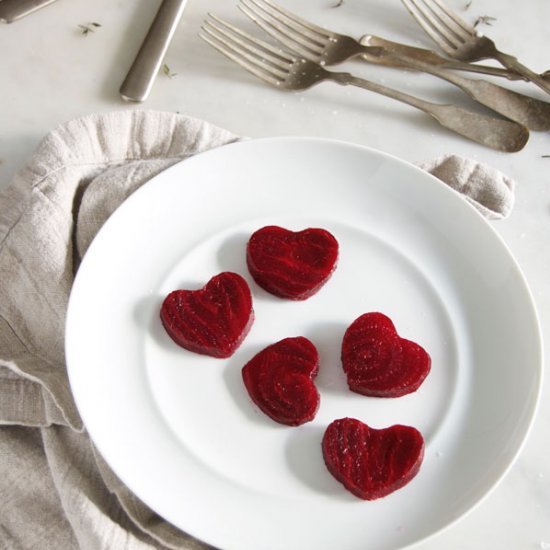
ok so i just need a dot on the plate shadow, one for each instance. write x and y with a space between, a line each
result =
305 459
327 338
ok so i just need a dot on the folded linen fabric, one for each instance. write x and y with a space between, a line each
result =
55 487
484 187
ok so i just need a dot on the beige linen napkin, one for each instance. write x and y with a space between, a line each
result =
484 187
57 492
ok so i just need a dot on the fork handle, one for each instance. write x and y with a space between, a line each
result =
502 135
529 111
369 41
511 62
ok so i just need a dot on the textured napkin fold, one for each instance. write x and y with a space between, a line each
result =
56 489
484 187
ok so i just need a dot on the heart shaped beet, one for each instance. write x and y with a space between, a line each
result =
279 379
291 264
372 463
378 362
213 320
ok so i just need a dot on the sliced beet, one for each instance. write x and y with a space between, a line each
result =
372 463
279 379
213 320
378 362
291 264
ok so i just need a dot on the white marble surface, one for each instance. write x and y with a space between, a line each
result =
50 72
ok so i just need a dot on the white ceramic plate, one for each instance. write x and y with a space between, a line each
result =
180 430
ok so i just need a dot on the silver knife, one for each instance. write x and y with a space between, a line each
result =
10 10
142 73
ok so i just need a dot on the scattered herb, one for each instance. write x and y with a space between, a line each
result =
166 70
545 156
467 6
485 20
86 29
338 4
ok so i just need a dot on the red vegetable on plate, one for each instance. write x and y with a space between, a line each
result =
213 320
378 362
279 379
291 264
372 463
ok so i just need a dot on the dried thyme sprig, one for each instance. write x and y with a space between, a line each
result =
166 70
485 20
86 29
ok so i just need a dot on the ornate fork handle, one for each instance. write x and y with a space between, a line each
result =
528 111
480 128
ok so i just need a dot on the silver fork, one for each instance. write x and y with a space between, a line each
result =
460 40
286 71
328 48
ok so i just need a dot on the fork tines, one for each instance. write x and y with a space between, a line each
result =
256 56
306 39
439 22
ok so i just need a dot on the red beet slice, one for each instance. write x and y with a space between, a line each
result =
279 380
213 320
291 264
372 463
378 362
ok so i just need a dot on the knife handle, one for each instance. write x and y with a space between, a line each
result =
144 69
10 10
